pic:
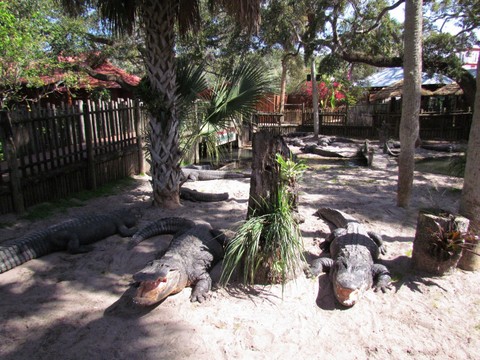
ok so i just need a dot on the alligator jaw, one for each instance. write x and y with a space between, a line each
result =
346 297
151 292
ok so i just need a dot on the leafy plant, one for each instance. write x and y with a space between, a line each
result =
449 241
270 241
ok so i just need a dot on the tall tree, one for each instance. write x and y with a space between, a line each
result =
470 201
160 19
281 28
409 123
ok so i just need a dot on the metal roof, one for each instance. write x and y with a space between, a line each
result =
390 76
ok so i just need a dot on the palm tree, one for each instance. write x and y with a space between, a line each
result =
158 19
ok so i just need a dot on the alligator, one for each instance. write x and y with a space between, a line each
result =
194 195
195 248
353 253
199 174
73 235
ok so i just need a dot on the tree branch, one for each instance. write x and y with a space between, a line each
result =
380 16
107 77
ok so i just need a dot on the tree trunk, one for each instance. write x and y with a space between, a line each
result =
283 84
265 170
470 200
159 26
316 121
409 124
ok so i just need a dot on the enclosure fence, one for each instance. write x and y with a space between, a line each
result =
367 122
51 153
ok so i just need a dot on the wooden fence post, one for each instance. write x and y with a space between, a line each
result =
91 178
10 152
138 132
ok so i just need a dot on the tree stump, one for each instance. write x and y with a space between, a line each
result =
470 260
264 189
431 252
265 169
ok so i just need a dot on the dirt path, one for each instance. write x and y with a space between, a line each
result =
65 306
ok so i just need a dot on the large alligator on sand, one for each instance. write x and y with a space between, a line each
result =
73 235
194 249
353 253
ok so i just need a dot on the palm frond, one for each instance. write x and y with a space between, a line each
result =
246 12
235 97
191 84
120 16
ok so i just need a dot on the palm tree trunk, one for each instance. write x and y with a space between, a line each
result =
159 20
409 123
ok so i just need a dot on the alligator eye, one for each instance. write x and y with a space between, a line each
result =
341 264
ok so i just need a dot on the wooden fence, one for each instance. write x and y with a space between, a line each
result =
48 154
370 121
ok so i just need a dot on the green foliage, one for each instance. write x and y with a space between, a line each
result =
270 243
290 171
229 102
22 38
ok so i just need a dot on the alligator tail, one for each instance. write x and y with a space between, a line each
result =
170 225
23 250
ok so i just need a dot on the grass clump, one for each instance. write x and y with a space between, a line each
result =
268 247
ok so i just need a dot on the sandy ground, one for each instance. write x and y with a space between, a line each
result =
64 306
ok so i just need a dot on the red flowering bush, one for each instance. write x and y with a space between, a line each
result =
330 95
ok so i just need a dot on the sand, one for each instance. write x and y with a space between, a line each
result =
64 306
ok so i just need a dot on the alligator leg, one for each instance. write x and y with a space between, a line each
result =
381 277
379 241
201 289
318 266
325 246
125 231
68 241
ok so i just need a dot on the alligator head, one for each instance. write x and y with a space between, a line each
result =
159 279
350 281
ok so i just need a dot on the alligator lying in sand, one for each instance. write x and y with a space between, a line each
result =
194 249
200 174
353 253
72 235
194 195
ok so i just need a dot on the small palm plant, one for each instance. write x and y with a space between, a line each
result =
268 247
204 110
228 103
